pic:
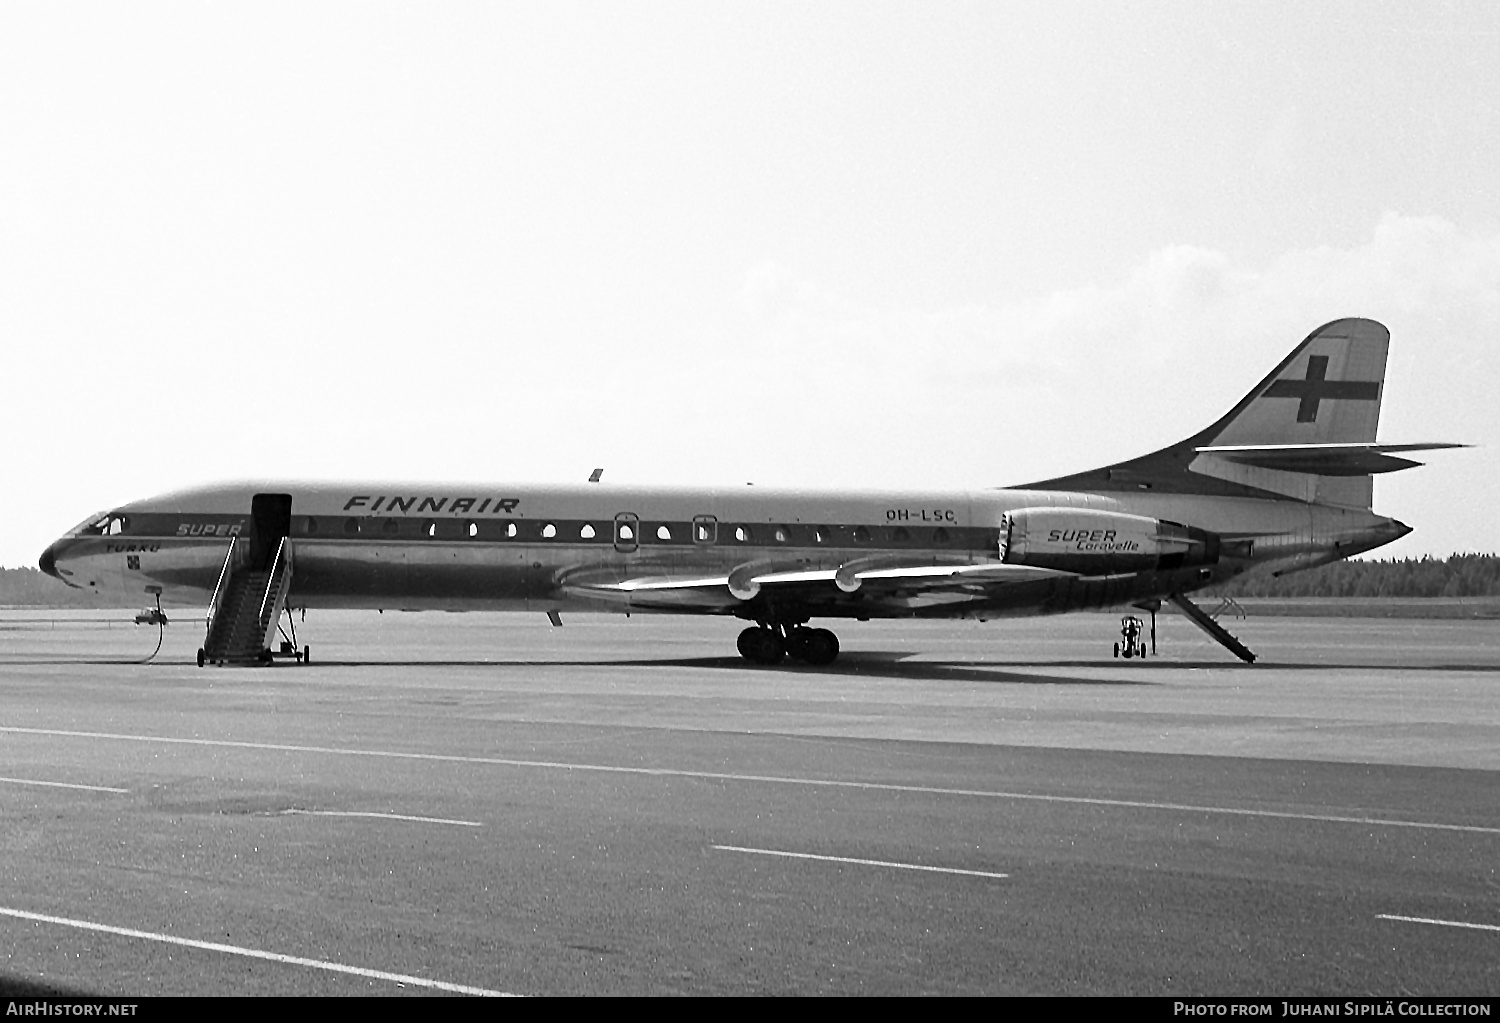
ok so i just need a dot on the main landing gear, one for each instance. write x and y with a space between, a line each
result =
769 644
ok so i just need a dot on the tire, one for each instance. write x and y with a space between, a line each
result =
201 657
820 646
1117 650
745 643
766 647
307 655
797 643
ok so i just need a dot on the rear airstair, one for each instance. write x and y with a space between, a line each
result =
1206 622
244 616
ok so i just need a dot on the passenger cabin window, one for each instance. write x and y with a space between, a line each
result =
940 535
900 535
312 525
549 531
627 532
429 528
861 534
391 527
741 534
705 529
587 532
663 533
511 530
821 534
473 529
783 534
351 525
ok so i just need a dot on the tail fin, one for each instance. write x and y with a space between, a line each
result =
1305 432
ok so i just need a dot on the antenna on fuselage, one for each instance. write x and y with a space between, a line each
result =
594 477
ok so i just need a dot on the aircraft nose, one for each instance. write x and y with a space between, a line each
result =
1398 528
48 562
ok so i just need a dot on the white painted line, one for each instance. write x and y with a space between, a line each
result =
62 785
767 779
253 953
1439 923
862 863
382 816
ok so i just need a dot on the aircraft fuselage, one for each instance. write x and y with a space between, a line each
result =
549 547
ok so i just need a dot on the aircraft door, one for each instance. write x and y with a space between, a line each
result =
272 516
627 532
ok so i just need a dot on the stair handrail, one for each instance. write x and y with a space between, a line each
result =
273 581
219 589
277 587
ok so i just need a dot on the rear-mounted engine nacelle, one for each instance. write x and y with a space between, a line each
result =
1100 543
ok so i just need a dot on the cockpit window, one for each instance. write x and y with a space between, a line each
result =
104 525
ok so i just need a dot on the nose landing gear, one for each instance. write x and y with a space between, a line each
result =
770 644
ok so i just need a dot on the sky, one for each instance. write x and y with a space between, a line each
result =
871 244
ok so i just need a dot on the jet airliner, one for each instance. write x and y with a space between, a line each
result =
1282 482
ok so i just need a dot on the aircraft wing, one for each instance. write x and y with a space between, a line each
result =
903 585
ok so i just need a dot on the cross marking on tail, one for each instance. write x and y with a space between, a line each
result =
1312 390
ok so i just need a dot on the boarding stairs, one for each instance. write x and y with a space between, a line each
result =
1208 624
247 607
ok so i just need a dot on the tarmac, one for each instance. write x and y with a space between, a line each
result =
484 804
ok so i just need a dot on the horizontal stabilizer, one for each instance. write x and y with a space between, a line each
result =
1360 459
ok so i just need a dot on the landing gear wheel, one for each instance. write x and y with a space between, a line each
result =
201 657
761 646
307 655
819 647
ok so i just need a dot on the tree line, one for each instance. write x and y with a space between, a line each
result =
30 587
1458 575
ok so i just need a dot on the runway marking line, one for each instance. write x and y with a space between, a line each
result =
254 953
381 816
768 779
63 785
1438 923
862 863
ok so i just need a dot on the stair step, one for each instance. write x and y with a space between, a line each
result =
244 614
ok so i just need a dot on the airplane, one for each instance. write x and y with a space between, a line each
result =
1281 483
